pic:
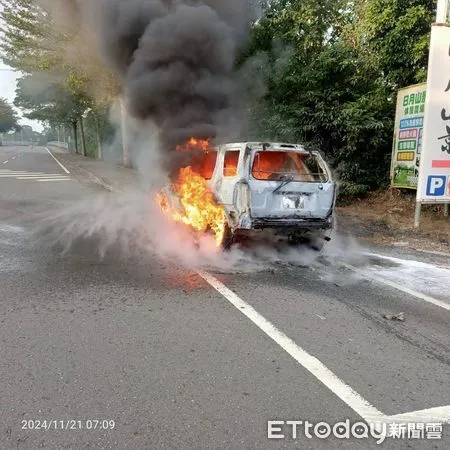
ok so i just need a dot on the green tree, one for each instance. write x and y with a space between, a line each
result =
397 34
65 73
50 102
8 118
333 83
29 39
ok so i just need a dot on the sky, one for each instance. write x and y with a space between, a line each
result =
8 81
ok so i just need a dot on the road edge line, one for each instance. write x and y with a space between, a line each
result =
54 157
426 298
439 414
338 387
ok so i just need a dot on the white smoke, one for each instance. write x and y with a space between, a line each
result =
132 224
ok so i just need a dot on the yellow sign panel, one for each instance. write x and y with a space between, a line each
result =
406 156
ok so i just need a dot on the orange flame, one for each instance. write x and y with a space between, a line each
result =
199 208
194 144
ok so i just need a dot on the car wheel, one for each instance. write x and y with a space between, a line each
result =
313 240
228 238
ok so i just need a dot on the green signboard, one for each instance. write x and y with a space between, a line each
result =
408 133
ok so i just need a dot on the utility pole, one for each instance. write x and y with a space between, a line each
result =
83 138
99 137
124 129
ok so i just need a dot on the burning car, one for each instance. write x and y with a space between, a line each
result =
255 190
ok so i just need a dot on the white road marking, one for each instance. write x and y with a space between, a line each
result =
430 252
34 176
13 157
412 262
55 179
30 177
342 390
30 174
439 414
44 179
53 156
15 172
309 362
426 298
11 229
24 176
418 266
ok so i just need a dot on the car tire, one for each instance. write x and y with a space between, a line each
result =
317 244
319 240
312 240
228 238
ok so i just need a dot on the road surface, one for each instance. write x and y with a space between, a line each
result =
136 352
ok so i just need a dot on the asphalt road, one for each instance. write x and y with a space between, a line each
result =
154 355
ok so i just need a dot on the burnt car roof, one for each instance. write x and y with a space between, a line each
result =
275 146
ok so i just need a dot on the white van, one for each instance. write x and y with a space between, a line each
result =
272 190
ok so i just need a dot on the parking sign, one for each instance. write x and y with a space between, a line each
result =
436 186
434 171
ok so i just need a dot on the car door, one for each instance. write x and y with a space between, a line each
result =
276 196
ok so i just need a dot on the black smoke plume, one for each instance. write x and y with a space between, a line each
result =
175 59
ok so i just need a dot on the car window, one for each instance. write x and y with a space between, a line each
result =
279 166
205 164
230 165
312 164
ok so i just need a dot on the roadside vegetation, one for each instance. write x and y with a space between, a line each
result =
64 82
322 73
8 117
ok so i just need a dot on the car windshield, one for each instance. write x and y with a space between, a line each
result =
282 166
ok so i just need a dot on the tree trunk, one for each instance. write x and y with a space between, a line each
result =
99 138
124 128
83 139
75 135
